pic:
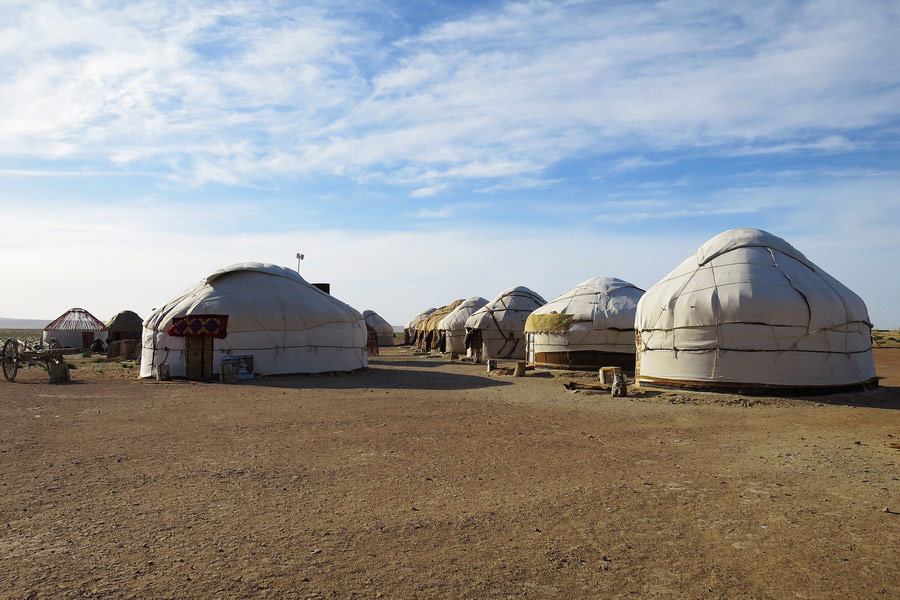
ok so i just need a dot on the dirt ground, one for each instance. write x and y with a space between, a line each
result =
422 478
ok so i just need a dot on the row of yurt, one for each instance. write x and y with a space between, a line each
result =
747 311
264 315
454 324
409 332
428 335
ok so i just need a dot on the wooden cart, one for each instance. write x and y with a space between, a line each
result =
12 357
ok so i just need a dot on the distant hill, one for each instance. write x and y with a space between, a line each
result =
23 323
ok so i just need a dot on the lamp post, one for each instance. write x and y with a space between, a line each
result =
299 258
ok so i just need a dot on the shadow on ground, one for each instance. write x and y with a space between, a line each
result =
386 379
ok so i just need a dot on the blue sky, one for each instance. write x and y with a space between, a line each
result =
418 152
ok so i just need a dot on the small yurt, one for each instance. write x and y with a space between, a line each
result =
454 324
748 311
126 325
266 313
497 329
75 328
428 335
587 327
409 332
383 329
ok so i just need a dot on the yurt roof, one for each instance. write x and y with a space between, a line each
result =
258 297
416 319
377 322
456 319
605 302
431 322
512 305
126 319
76 319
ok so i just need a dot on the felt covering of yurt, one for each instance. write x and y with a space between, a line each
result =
427 332
749 311
126 325
261 310
589 326
383 329
454 324
501 323
410 329
75 328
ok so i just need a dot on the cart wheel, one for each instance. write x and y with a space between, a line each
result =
10 359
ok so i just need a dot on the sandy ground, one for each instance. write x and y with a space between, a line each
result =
426 479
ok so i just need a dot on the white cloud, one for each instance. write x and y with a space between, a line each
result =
502 94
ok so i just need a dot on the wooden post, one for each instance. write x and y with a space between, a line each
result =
520 369
59 372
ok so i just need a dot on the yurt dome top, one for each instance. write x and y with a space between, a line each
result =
258 297
513 304
126 319
606 302
431 322
422 315
377 322
456 319
76 319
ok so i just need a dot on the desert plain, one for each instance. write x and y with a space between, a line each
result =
426 478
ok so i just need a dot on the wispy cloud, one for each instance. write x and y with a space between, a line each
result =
229 93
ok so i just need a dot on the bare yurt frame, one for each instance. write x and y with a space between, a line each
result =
75 328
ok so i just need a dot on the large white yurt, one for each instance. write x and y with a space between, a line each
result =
382 328
454 324
749 311
410 329
253 309
75 328
497 329
589 326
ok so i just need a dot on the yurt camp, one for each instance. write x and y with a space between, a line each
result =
589 326
75 328
383 329
454 324
748 311
428 335
261 312
126 325
497 329
410 330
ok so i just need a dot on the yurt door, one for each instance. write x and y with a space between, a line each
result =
87 338
198 352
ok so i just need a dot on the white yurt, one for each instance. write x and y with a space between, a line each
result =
410 329
587 327
497 329
384 329
749 311
259 310
75 328
454 324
